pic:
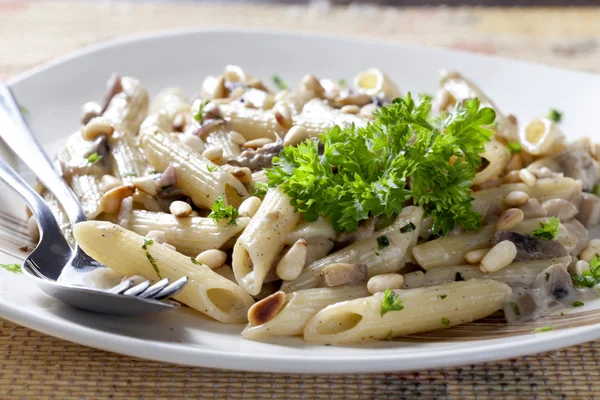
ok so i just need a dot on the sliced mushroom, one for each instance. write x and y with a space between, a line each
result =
533 209
167 184
560 208
589 210
555 282
580 231
340 274
113 87
530 247
257 159
578 164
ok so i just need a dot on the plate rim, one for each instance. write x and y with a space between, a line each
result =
485 351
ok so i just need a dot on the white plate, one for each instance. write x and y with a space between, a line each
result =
54 93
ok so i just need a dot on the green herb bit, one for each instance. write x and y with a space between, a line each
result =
342 83
391 302
279 82
596 190
129 175
383 242
578 304
547 230
390 335
446 322
211 168
14 268
442 296
360 172
24 110
408 228
555 115
514 147
458 277
194 261
220 211
199 114
515 307
547 276
154 265
259 189
147 242
543 329
590 277
94 158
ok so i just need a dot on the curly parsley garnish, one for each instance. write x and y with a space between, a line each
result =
220 211
364 171
94 158
391 302
15 268
590 277
547 230
199 113
281 84
260 189
555 115
514 147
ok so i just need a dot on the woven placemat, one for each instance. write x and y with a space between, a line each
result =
33 365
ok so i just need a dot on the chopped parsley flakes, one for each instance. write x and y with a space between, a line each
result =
555 115
15 268
442 296
199 113
543 329
578 304
281 84
383 242
446 322
514 147
211 168
390 335
591 277
220 211
94 158
515 307
547 230
342 83
194 261
390 302
364 171
260 189
147 242
596 190
154 265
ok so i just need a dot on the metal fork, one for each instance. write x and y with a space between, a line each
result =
53 256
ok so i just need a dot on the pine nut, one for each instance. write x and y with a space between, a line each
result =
475 256
291 265
109 182
527 177
110 202
179 122
237 138
581 266
169 246
560 208
212 258
510 218
214 154
310 82
242 174
180 209
250 206
158 236
146 184
350 109
499 257
266 309
256 143
380 283
283 115
339 274
90 110
515 163
32 229
296 135
194 142
512 177
515 198
97 126
591 250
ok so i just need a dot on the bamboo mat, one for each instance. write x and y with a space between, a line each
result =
33 365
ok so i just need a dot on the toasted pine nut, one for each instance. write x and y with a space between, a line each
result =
310 82
170 246
296 135
591 250
499 257
350 109
110 202
380 283
560 208
212 258
283 115
515 163
512 177
515 198
581 266
180 209
146 184
109 182
213 154
510 218
90 110
527 177
266 309
194 142
475 256
32 229
237 138
250 206
97 126
256 143
242 174
158 236
291 265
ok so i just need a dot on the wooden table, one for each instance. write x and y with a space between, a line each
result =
33 365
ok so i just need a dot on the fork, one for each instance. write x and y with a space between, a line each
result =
53 257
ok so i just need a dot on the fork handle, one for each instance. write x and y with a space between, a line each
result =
17 135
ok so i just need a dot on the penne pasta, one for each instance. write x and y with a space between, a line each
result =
127 109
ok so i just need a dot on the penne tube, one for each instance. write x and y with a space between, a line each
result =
197 177
424 310
127 109
61 218
251 123
222 139
299 308
127 160
171 102
263 239
123 251
260 176
382 253
305 230
191 235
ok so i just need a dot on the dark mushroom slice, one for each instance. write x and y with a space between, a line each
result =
578 164
530 247
555 283
258 159
589 210
167 184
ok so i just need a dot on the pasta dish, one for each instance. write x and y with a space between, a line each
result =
335 211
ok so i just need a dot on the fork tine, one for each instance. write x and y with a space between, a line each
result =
152 290
35 269
121 287
137 289
172 289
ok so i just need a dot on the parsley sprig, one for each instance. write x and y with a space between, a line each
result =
365 171
591 277
220 211
14 268
547 230
390 302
